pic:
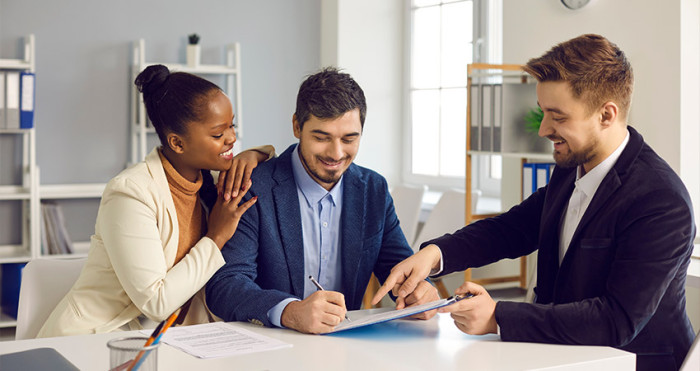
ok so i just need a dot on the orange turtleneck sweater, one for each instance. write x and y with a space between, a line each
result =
190 217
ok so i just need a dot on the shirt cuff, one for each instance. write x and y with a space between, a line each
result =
274 315
435 272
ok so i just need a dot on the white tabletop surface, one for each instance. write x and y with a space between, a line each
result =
397 345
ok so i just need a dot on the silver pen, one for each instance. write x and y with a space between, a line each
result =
318 286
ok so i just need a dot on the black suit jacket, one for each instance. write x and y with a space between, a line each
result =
622 280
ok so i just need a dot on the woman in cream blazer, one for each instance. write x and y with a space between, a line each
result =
131 271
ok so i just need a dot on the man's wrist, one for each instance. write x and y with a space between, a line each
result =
276 313
437 265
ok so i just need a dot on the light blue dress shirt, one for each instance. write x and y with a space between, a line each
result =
320 223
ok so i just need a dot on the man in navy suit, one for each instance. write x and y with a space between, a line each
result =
614 227
318 215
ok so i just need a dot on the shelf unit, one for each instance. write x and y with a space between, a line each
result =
140 127
509 74
71 192
27 191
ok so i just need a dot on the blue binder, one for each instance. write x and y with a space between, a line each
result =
26 106
535 176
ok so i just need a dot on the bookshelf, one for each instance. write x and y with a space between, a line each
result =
63 192
230 70
25 191
507 138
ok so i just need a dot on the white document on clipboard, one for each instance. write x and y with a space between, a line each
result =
374 318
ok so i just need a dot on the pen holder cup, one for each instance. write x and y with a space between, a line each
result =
129 353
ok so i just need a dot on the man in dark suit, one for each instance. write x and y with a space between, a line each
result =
614 227
317 214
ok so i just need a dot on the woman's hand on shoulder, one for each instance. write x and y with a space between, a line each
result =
225 215
231 182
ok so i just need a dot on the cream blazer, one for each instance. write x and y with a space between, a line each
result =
130 267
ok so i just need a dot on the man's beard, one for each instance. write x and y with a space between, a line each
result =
573 159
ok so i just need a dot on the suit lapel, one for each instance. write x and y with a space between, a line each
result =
558 193
288 214
352 229
611 182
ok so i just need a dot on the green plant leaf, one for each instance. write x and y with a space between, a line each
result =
533 119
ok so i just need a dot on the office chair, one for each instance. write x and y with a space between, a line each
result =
407 202
446 217
44 283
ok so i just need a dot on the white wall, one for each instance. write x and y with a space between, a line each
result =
647 31
661 39
83 82
366 40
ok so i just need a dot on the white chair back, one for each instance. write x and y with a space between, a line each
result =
407 202
44 283
692 360
446 217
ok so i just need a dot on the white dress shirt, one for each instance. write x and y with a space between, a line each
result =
585 187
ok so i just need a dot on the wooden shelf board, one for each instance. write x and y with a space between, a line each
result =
14 193
7 321
201 69
529 156
71 191
14 254
14 131
80 250
14 64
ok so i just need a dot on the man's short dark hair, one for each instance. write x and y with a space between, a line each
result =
595 68
328 94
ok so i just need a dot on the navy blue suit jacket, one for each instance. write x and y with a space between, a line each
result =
265 257
622 280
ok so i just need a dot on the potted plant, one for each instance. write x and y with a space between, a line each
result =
533 119
193 51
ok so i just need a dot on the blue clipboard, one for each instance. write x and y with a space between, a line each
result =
375 318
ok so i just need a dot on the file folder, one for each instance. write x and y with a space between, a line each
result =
475 116
544 171
3 124
529 179
535 176
12 100
486 115
26 91
497 118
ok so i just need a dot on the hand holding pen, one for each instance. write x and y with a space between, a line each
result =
320 288
318 313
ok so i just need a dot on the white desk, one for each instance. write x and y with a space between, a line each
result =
397 345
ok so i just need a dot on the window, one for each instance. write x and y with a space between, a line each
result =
445 36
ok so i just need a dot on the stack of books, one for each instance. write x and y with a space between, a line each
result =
54 235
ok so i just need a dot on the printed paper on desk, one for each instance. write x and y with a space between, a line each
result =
219 339
371 319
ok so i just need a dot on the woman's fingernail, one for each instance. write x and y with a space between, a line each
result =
227 196
235 193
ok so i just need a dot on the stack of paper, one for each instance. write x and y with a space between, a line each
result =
219 339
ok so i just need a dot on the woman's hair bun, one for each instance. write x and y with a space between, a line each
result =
152 78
